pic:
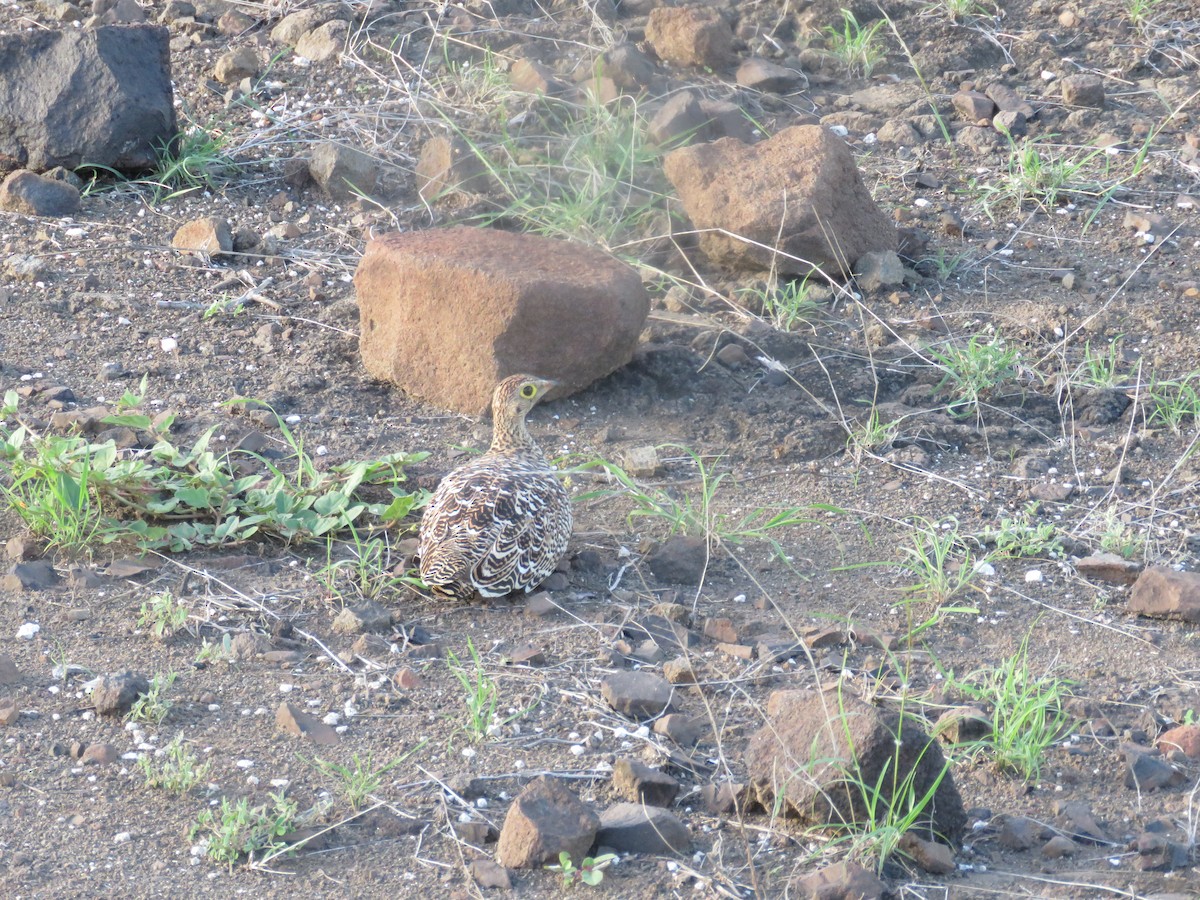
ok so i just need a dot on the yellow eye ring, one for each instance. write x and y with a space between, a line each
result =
528 391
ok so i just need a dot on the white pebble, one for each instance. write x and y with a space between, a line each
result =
244 763
468 752
28 630
122 837
577 750
169 344
1033 576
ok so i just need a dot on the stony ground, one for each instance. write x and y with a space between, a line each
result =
1094 266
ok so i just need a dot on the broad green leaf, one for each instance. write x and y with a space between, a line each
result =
128 420
197 498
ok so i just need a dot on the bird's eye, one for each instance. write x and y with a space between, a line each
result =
528 391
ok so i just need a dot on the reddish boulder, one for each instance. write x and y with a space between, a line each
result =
799 192
447 313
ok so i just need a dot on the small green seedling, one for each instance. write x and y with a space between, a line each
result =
153 706
178 770
163 614
590 871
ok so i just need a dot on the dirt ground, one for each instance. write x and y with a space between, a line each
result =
1061 279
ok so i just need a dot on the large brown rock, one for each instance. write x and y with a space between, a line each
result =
544 820
818 752
100 96
799 192
447 313
1166 594
690 36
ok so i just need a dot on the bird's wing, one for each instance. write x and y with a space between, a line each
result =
533 526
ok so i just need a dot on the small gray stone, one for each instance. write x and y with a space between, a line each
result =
292 720
1058 847
207 236
762 75
36 195
1018 833
1109 567
842 881
1146 771
933 857
973 106
367 616
117 693
1010 121
324 41
639 695
490 874
37 575
878 270
638 783
1163 593
634 828
1083 90
679 560
343 172
100 755
295 25
237 64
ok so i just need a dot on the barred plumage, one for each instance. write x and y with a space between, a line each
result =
500 523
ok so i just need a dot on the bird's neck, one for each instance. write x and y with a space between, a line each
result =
511 434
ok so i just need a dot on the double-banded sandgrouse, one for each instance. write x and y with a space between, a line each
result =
500 523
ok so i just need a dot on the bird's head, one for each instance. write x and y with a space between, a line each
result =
513 398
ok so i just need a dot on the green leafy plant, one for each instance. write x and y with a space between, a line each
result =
590 871
74 492
859 47
210 651
163 614
1028 714
360 778
957 10
1098 368
177 769
481 694
1141 11
892 808
365 573
237 830
195 160
1173 402
696 514
581 171
871 435
939 564
50 485
1040 172
1118 536
787 305
153 706
972 373
1021 536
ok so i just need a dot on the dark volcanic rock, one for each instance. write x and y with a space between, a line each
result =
100 96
